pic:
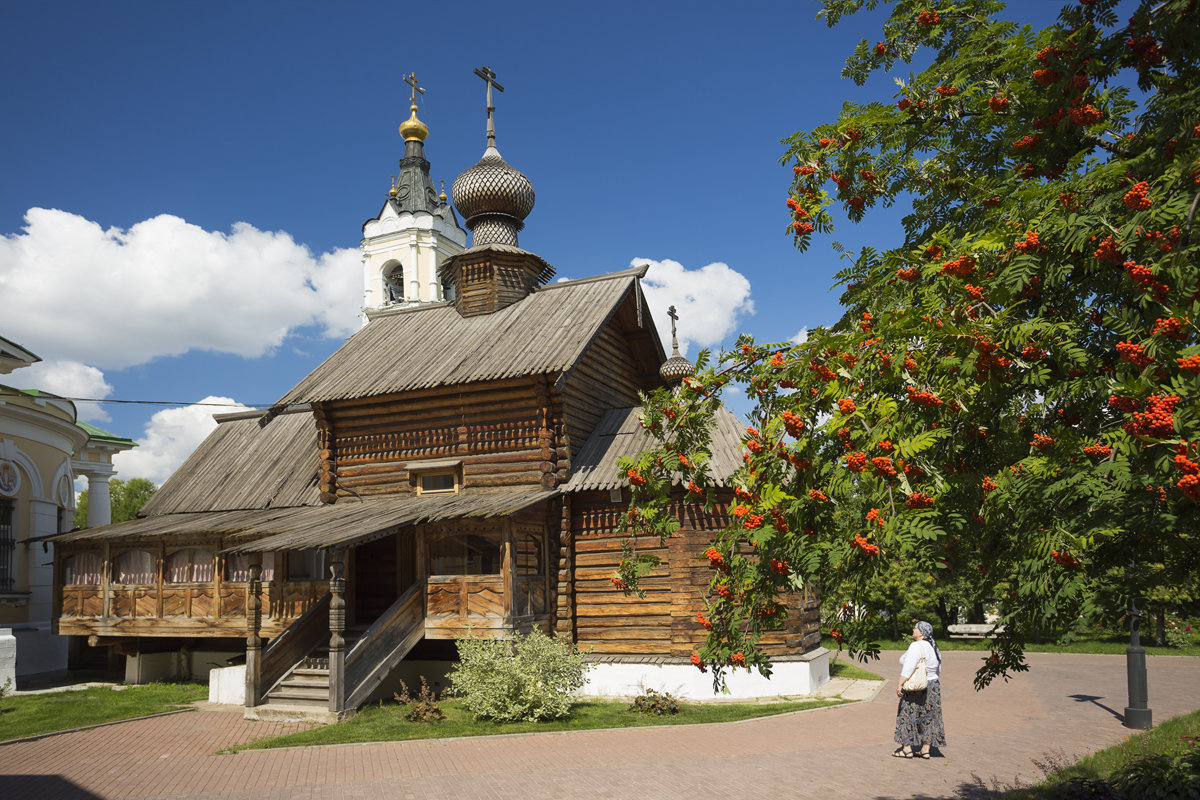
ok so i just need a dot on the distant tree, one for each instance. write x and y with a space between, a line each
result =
127 498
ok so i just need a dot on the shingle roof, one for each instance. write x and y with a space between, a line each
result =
621 434
344 524
433 346
242 465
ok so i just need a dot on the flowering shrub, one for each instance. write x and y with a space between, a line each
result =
519 679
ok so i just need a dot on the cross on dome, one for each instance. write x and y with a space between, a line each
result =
489 78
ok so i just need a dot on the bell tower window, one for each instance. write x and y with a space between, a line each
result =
393 283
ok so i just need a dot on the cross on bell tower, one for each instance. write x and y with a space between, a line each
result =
489 78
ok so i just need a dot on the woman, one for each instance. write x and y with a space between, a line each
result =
919 717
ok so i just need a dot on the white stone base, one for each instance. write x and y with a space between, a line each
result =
802 676
227 685
8 658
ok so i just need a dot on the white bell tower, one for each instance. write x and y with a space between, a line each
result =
415 231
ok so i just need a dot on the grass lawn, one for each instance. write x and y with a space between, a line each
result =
1166 739
386 723
1107 645
845 668
34 714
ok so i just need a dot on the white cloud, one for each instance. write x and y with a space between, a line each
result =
66 379
801 336
170 437
115 298
711 301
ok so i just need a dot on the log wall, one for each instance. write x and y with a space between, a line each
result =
663 623
603 379
505 433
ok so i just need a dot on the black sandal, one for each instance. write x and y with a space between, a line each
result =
900 752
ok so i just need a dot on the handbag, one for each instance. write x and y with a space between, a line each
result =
919 680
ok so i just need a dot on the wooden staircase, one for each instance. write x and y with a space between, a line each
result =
303 690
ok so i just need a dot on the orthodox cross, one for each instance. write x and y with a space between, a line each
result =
411 80
489 78
674 342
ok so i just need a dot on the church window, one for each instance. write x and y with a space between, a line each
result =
191 565
237 568
306 565
82 569
134 566
8 542
462 553
393 284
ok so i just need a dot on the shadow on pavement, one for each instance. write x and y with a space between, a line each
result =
1088 698
34 786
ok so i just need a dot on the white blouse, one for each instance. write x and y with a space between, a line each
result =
908 661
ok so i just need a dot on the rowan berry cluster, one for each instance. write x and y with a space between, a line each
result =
1144 276
1041 441
635 478
1086 115
1066 559
715 560
917 500
1138 198
1126 405
920 396
704 623
947 91
909 274
792 423
959 267
846 406
1045 77
856 461
998 103
1171 327
752 521
1031 243
1134 354
698 664
928 18
1033 352
989 485
738 660
825 372
779 567
886 446
1108 251
1157 420
619 583
975 292
1097 451
883 466
864 545
813 494
1191 364
1025 142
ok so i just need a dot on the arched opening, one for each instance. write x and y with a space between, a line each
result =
393 283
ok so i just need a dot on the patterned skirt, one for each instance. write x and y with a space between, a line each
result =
919 718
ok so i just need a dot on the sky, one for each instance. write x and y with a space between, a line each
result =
185 182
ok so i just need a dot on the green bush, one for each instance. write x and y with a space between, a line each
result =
522 679
659 704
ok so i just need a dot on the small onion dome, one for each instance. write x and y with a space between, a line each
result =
412 129
676 368
493 187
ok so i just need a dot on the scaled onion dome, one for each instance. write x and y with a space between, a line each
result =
675 368
494 198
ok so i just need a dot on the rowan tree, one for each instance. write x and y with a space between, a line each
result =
1013 388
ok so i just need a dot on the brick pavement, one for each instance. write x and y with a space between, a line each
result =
1067 704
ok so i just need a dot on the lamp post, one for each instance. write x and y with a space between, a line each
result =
1137 714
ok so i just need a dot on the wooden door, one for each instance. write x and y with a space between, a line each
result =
375 573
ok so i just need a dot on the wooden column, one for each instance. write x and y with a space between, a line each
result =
254 633
337 626
564 611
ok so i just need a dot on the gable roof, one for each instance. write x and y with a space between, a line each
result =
620 434
244 465
431 346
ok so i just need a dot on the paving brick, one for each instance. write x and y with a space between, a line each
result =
1066 706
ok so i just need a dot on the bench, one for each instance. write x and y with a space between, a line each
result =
986 630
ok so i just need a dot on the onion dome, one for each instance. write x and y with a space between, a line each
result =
675 368
412 129
494 198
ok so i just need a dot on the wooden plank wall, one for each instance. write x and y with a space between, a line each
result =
603 379
663 623
503 431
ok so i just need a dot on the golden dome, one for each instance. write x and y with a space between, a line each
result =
412 129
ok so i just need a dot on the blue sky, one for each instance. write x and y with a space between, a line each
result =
185 182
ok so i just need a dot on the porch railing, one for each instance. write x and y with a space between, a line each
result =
286 649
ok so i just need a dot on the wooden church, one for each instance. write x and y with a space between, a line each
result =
450 471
